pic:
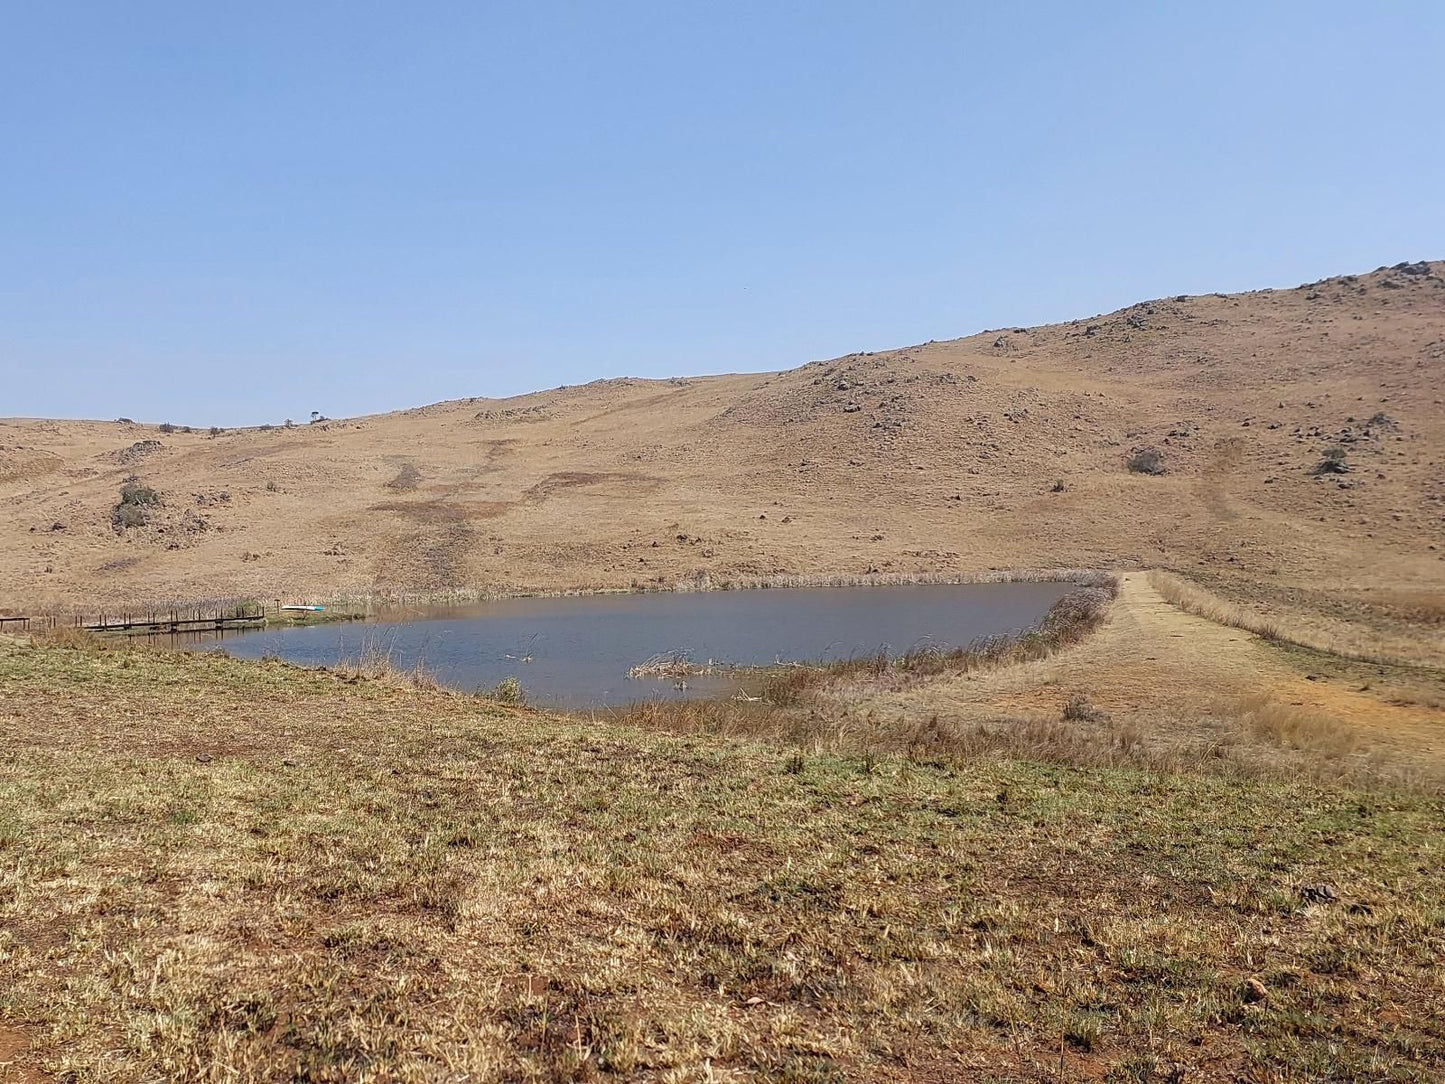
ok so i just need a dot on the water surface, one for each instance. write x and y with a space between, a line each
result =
575 652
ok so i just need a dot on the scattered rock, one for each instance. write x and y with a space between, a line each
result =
1319 893
138 451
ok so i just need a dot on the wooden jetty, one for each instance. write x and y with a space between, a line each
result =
153 623
163 622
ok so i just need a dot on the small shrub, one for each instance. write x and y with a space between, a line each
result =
216 431
128 515
135 500
1058 486
135 493
1332 462
1146 461
1078 709
509 691
166 427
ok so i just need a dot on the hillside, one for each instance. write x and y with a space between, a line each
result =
937 458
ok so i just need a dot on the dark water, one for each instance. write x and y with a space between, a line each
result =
575 652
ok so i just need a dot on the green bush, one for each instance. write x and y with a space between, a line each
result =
128 515
133 492
1146 461
509 691
135 501
1332 462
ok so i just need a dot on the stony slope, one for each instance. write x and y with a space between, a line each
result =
940 458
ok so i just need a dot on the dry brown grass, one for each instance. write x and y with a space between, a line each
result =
1302 730
789 703
406 479
1271 739
1252 737
221 871
376 661
1194 599
1360 645
673 664
70 636
395 601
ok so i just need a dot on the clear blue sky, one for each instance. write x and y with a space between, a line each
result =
231 213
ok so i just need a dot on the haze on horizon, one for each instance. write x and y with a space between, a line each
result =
233 218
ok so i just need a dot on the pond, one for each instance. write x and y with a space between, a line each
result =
575 652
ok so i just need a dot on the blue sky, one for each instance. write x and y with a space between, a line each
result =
227 214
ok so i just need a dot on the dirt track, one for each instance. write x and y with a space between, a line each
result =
1171 673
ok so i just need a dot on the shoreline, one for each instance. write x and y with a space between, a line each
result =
370 602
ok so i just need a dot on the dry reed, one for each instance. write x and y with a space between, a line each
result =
1195 599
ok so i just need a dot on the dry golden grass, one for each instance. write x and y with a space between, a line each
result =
1164 691
1359 645
1194 599
1327 739
214 870
70 636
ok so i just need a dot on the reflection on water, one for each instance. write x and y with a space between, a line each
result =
575 652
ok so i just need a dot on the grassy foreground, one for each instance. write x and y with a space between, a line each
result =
217 870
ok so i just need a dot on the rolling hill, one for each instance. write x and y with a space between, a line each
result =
1004 450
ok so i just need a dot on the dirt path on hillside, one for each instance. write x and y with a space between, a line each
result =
1154 662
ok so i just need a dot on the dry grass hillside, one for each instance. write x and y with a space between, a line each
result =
1003 450
1187 829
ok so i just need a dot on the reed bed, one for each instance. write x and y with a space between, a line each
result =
788 704
371 600
673 664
